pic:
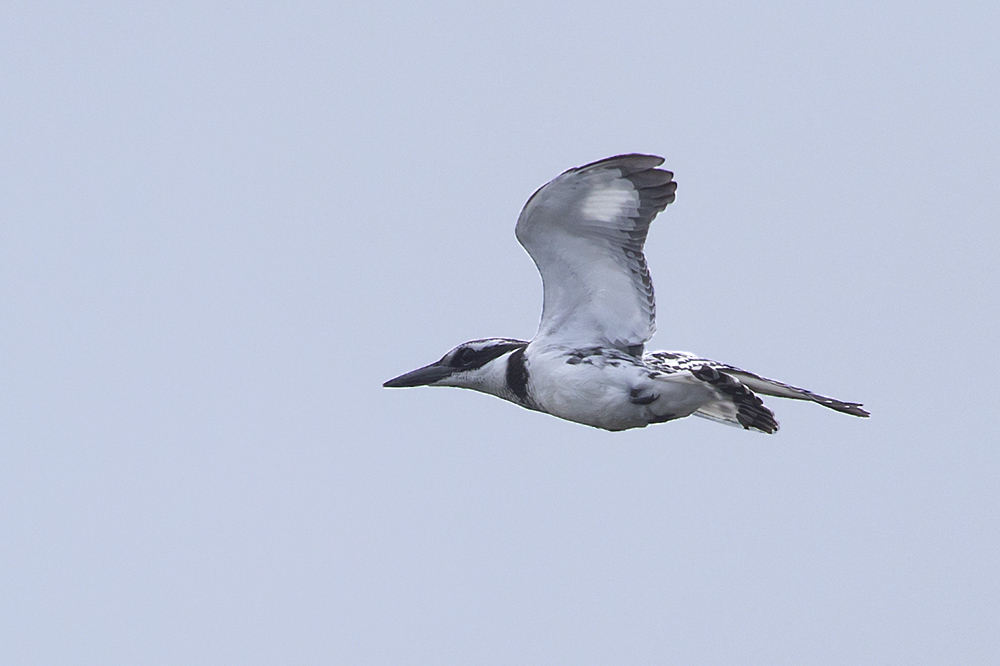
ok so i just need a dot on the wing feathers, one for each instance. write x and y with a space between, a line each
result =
680 361
585 231
627 164
781 390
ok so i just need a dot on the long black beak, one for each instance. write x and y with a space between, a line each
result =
421 376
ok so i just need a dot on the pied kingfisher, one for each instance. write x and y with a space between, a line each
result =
585 231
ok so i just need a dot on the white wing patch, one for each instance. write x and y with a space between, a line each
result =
614 200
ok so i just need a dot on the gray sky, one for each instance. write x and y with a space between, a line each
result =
223 226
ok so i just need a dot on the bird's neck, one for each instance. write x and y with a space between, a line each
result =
506 377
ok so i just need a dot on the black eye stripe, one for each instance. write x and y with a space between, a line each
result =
468 358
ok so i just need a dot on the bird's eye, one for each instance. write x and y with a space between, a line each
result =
466 357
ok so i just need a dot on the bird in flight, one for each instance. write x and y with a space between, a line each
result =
585 231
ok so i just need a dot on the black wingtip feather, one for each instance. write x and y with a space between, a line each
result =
629 163
750 410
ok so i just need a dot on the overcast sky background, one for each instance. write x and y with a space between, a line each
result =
223 226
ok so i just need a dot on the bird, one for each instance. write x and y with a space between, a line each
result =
585 231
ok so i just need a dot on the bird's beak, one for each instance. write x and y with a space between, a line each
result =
421 376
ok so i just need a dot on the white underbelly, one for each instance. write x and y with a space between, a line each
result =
603 396
607 407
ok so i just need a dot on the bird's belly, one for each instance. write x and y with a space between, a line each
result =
589 395
599 406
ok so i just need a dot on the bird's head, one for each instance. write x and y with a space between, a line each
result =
478 364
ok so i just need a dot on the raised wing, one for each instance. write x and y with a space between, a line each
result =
585 231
